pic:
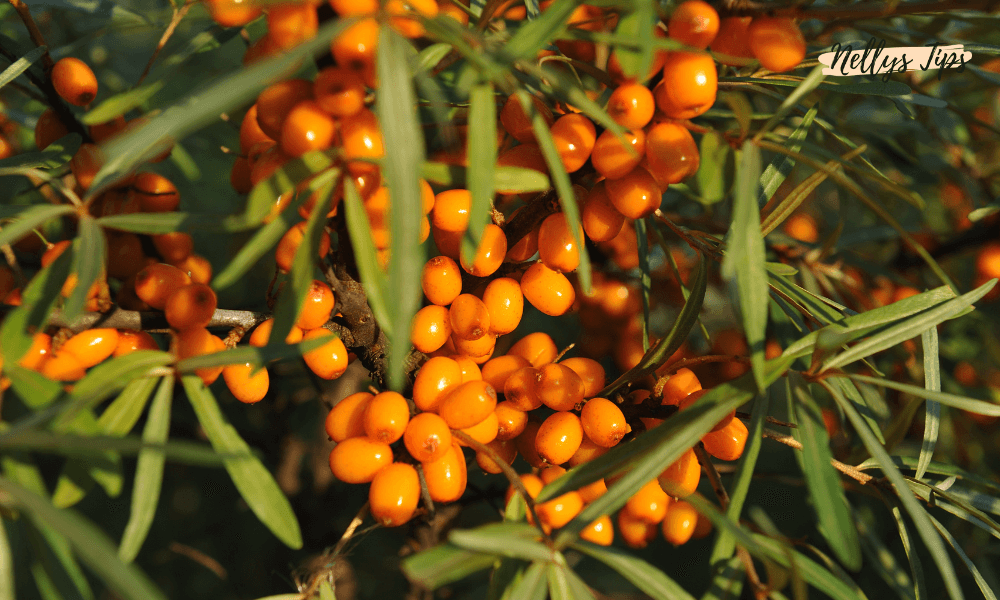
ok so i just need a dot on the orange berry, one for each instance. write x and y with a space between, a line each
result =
526 156
526 444
329 361
728 442
591 373
649 504
689 85
233 13
197 341
468 404
574 137
547 290
306 127
505 303
469 317
347 418
433 380
559 387
291 24
447 476
603 422
191 306
679 386
451 210
631 105
386 417
557 247
681 478
636 533
484 431
532 483
174 247
733 39
635 195
355 48
266 164
801 227
506 450
339 91
92 346
74 81
518 123
560 510
197 268
679 522
470 369
537 348
284 255
776 42
48 129
107 130
155 193
511 420
155 284
277 100
592 491
63 366
86 163
125 256
521 388
672 152
694 23
41 346
427 437
394 494
525 248
600 532
354 8
490 253
430 329
250 131
614 159
262 334
359 459
601 220
130 341
247 388
702 527
498 370
316 307
559 437
988 261
361 138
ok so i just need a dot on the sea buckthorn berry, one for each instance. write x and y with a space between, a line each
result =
92 346
671 152
125 256
574 136
191 306
347 418
521 388
427 437
262 334
449 243
156 283
63 366
41 346
290 24
250 131
511 420
339 91
590 371
679 385
233 13
497 370
557 247
86 163
470 369
448 9
245 387
694 396
307 127
603 422
533 485
988 261
394 494
284 255
694 23
266 164
431 328
468 404
505 302
537 348
614 158
130 341
559 387
526 156
484 431
732 39
155 193
74 81
560 510
649 504
447 476
801 226
635 195
276 101
559 437
48 129
518 123
386 417
197 268
173 247
681 478
354 8
600 219
104 131
636 533
355 49
526 445
316 307
600 532
631 105
525 248
329 361
361 138
451 210
197 341
689 85
547 290
433 380
728 442
506 450
702 527
592 491
587 452
407 26
470 320
359 459
777 43
490 253
679 523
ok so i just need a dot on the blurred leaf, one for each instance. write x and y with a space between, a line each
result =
91 256
149 223
180 451
89 543
505 576
516 179
910 463
884 562
932 382
645 279
444 564
148 473
744 260
252 479
980 407
249 354
513 540
21 65
781 165
34 389
711 175
981 213
536 34
852 393
792 201
119 104
533 585
637 26
264 195
564 584
430 56
482 154
984 587
326 591
805 87
822 480
260 244
372 277
728 580
649 579
32 217
37 302
7 589
55 155
918 513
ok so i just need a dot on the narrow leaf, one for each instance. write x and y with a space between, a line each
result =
119 104
149 223
482 152
91 256
372 277
980 407
984 587
444 564
932 418
32 217
531 37
513 540
260 244
7 589
20 66
649 579
533 586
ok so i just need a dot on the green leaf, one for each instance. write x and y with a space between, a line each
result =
649 579
822 480
372 277
260 244
264 195
917 512
980 407
38 300
564 584
21 65
744 260
88 542
513 540
637 26
252 479
781 165
148 473
884 561
515 179
119 104
249 354
806 86
984 587
32 217
646 279
482 152
91 256
851 391
916 566
403 156
711 177
150 223
728 581
35 390
535 34
444 564
55 155
932 382
7 589
179 451
533 585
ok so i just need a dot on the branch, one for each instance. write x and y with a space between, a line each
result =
747 8
36 34
846 469
174 22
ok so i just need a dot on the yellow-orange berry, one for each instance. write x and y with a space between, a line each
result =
305 128
74 81
251 132
518 123
574 137
506 450
470 369
155 193
197 341
600 532
359 459
468 404
537 348
386 417
635 195
339 91
490 253
679 386
505 302
694 23
361 138
532 483
41 346
329 361
62 366
679 523
689 85
155 284
776 42
601 220
590 371
484 431
394 494
681 478
290 24
511 421
559 387
427 437
614 156
470 320
547 290
433 379
451 210
233 13
671 152
557 247
447 476
316 307
497 370
521 388
92 346
130 341
197 268
728 442
603 422
559 437
262 334
560 510
284 254
277 100
594 490
191 306
48 129
85 164
245 387
526 445
441 280
347 418
649 504
173 247
636 532
431 328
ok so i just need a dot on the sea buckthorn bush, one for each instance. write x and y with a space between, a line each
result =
450 299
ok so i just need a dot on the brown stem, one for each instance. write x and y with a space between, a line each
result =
846 469
174 22
36 34
713 475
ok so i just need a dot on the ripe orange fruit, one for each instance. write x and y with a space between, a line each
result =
277 100
355 49
498 370
526 445
505 302
191 306
307 127
631 105
600 532
434 378
447 476
732 39
649 504
591 373
547 290
988 261
802 226
262 334
62 366
431 328
284 254
339 91
290 24
521 388
557 247
689 85
559 437
560 510
615 159
156 283
386 417
776 42
316 307
634 195
41 346
681 478
233 13
329 361
173 247
49 129
130 341
636 532
594 490
451 210
603 422
74 81
532 483
484 431
92 346
694 23
197 268
197 341
354 8
490 253
574 137
672 152
679 522
361 138
679 385
346 418
728 442
107 130
526 156
86 163
441 280
600 219
427 437
511 421
506 450
155 193
518 123
250 131
247 388
467 404
559 387
469 317
359 459
394 494
537 348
